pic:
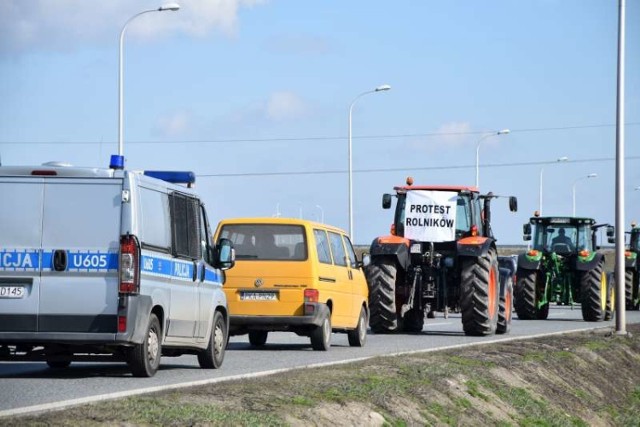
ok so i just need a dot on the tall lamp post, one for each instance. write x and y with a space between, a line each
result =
500 132
558 160
591 175
321 213
171 7
378 89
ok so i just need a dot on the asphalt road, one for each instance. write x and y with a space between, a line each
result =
32 387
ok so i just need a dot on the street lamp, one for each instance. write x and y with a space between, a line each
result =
591 175
378 89
171 7
558 160
500 132
321 213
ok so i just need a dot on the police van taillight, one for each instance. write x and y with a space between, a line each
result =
129 265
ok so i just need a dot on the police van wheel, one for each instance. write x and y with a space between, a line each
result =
144 358
213 356
58 364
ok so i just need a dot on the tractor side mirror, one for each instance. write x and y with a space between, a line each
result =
526 231
611 231
513 204
386 201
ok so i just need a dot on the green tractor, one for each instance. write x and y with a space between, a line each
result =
563 267
631 277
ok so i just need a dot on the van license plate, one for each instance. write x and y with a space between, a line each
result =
258 296
11 291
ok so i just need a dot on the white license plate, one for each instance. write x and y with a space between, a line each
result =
258 296
11 291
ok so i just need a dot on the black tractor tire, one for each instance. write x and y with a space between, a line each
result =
258 338
505 311
321 335
629 294
381 278
144 358
413 321
524 296
480 294
593 293
358 336
213 356
611 303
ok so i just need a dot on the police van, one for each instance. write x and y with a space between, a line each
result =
108 264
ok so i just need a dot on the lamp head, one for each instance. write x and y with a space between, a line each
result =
174 7
383 87
563 159
503 132
592 175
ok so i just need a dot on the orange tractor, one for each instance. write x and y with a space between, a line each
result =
441 256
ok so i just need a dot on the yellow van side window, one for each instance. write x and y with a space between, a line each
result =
322 246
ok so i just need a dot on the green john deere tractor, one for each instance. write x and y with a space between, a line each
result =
563 267
631 277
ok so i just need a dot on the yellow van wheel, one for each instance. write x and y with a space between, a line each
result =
321 335
358 336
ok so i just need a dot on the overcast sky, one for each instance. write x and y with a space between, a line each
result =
253 96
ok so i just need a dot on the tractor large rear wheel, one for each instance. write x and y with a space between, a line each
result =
525 296
381 277
630 294
480 294
593 292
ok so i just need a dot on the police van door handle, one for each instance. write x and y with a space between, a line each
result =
59 260
195 271
203 272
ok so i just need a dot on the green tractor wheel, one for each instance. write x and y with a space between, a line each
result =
629 281
611 297
525 295
480 294
381 277
593 291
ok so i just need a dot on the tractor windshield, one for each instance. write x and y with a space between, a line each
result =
634 245
464 214
562 238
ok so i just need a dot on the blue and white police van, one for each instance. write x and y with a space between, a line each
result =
108 264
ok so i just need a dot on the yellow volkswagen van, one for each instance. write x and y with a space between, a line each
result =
294 275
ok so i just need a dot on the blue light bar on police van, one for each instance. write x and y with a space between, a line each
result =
175 177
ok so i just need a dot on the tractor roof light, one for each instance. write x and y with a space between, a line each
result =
583 253
409 180
536 214
474 230
533 252
627 254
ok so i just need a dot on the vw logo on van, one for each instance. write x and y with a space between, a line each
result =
258 283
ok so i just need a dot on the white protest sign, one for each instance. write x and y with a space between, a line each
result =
430 216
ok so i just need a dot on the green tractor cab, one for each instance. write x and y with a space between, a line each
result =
564 267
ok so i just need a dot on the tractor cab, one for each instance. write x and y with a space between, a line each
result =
564 235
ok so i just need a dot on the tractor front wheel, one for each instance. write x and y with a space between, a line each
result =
506 308
480 294
381 277
593 292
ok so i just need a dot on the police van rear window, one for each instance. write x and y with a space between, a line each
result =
261 242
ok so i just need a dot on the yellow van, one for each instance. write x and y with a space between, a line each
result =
294 275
